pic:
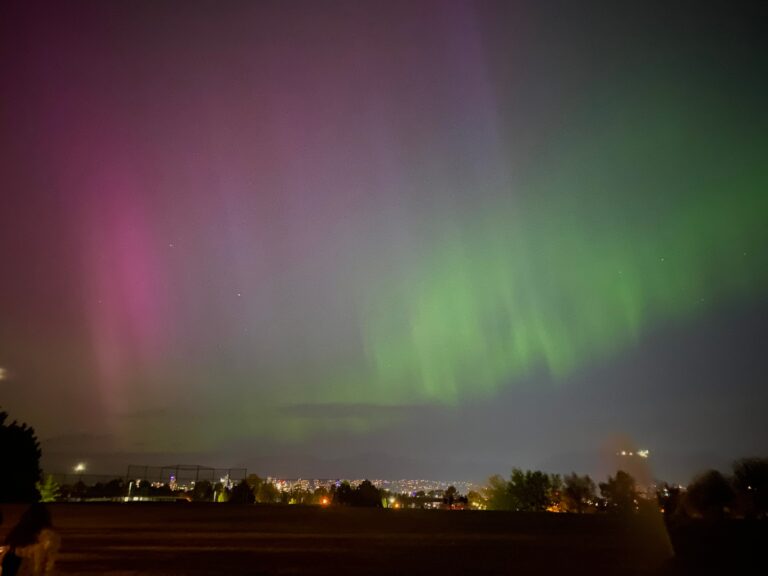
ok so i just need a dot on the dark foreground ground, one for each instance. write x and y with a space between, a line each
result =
179 538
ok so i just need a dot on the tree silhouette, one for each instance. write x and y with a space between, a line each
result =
531 491
203 491
579 493
367 495
343 494
709 495
220 492
750 479
20 450
497 493
450 496
115 488
669 498
268 493
620 492
321 495
255 482
79 490
476 500
242 493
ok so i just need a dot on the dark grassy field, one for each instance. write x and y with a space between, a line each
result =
122 539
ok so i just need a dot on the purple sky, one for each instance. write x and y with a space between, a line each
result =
266 233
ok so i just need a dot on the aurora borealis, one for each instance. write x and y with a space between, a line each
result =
298 236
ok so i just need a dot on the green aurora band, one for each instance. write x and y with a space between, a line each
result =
638 218
661 219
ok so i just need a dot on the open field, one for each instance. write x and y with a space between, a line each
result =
123 539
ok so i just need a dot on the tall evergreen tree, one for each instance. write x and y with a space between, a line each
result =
20 451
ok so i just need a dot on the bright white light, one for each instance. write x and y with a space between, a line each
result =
80 467
643 453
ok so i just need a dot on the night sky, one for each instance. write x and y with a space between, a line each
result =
385 239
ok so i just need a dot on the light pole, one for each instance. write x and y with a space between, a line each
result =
79 469
80 487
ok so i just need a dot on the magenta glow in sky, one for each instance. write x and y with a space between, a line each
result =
228 232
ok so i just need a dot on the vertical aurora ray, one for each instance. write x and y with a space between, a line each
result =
577 273
126 287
